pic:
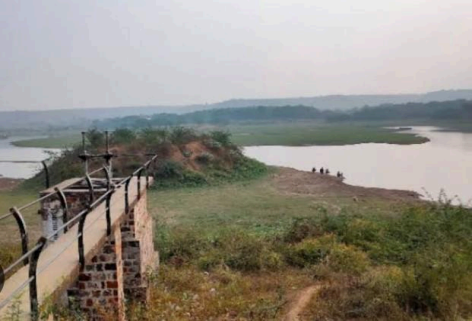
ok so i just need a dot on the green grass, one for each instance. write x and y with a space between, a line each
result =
378 259
50 142
300 134
255 205
290 134
9 233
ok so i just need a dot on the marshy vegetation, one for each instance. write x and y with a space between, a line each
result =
244 257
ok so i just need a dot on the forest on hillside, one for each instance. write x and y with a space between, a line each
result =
449 110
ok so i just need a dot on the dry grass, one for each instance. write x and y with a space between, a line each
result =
187 293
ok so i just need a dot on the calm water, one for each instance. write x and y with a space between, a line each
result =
445 163
10 152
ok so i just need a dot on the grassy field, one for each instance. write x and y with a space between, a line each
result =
299 134
50 142
290 134
244 250
9 234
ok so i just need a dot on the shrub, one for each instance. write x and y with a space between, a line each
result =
123 136
169 169
204 158
347 259
300 229
187 153
222 137
310 251
182 243
182 135
212 144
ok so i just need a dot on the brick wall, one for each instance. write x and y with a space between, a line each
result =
99 288
139 255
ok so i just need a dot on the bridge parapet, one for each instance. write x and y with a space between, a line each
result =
113 236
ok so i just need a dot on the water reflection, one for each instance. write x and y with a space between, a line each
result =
442 164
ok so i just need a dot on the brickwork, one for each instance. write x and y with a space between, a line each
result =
99 288
139 255
119 271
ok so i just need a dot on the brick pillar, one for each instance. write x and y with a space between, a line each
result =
139 255
99 289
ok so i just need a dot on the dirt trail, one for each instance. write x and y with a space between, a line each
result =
300 301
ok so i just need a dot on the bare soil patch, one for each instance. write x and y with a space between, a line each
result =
8 184
292 181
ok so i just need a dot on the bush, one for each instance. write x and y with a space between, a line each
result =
213 144
310 251
300 229
204 158
347 259
222 137
169 169
182 135
123 136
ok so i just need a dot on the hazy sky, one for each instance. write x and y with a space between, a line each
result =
100 53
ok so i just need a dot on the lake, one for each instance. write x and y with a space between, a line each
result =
443 164
9 152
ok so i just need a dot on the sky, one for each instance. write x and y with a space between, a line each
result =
106 53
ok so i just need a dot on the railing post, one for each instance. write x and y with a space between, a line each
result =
2 278
90 186
127 194
33 288
23 232
65 207
81 237
108 211
46 173
140 172
107 176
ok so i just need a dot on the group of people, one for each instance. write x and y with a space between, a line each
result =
327 172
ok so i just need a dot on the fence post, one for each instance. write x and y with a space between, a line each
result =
33 288
140 172
23 232
81 237
46 173
2 278
65 207
107 176
147 174
108 211
90 186
127 194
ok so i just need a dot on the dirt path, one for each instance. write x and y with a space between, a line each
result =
300 301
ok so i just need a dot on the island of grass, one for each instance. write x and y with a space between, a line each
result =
60 141
241 241
283 133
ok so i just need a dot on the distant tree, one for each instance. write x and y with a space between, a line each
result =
123 136
95 137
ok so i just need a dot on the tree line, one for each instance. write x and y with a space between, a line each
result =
449 110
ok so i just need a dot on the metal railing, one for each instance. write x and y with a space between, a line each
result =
31 256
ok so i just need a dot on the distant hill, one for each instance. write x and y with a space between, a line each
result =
345 102
82 118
